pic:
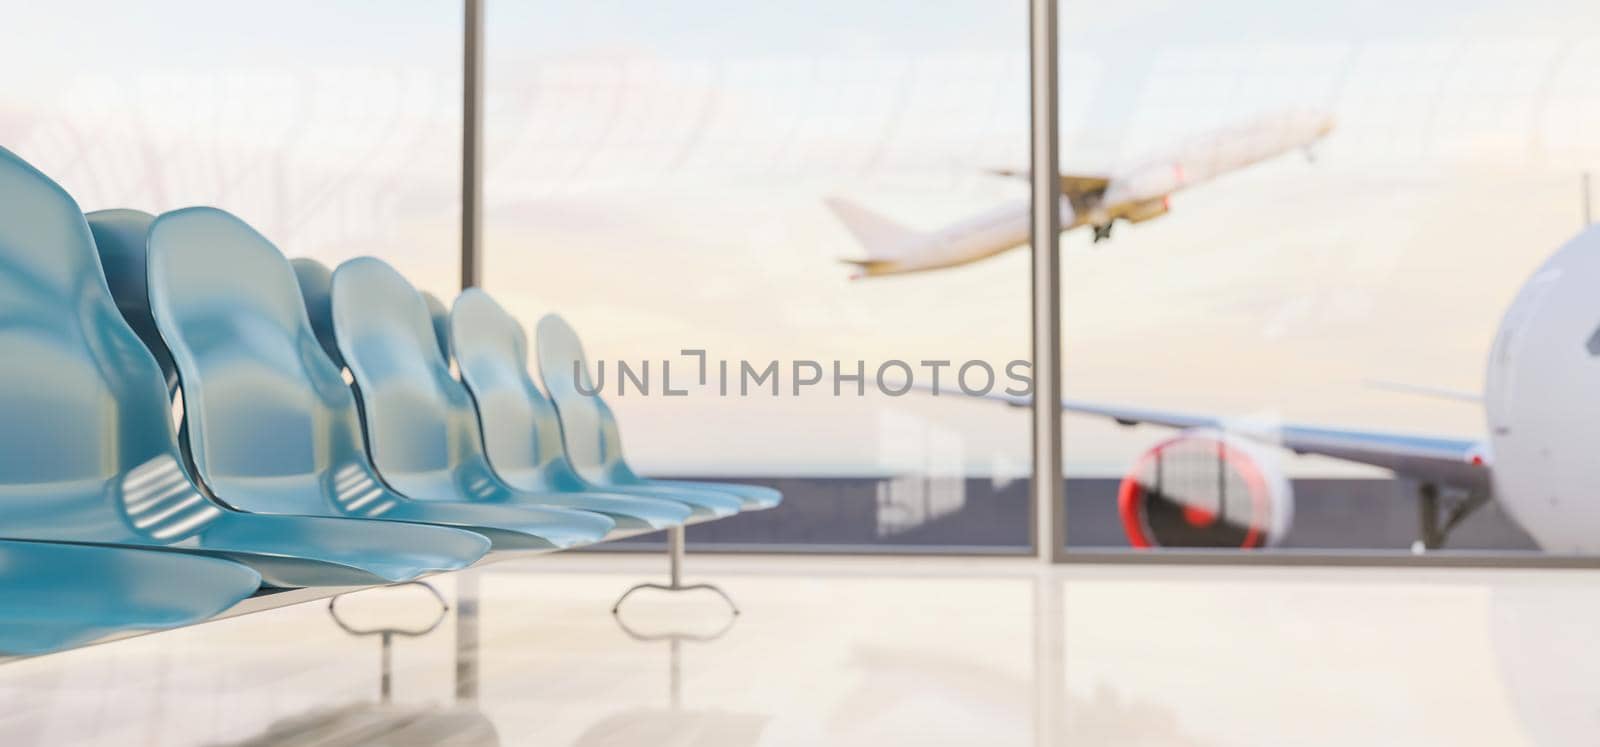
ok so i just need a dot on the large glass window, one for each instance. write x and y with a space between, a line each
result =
333 128
1318 228
1313 258
689 177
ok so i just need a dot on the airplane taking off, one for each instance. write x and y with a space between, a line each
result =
1134 195
1213 485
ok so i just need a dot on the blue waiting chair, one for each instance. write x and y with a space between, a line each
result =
272 426
54 597
594 449
520 430
524 435
422 432
594 443
87 452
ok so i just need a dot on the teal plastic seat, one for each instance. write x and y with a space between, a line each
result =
123 263
422 431
272 426
521 433
316 289
440 316
594 443
87 449
54 597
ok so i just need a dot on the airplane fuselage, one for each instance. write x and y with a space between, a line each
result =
1542 401
1136 194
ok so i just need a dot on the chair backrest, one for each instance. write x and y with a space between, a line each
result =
440 316
521 431
588 428
422 431
316 288
119 237
272 426
87 447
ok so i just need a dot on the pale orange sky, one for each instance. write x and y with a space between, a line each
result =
666 195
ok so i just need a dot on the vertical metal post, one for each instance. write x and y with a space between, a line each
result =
675 555
1049 510
472 148
386 668
675 681
471 275
467 635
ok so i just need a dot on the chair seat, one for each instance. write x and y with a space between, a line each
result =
511 526
706 504
156 507
628 511
752 497
293 551
54 597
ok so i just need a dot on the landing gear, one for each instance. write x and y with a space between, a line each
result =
1439 514
1102 232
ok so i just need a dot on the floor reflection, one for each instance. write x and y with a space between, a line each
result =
372 725
901 687
674 724
1548 659
860 653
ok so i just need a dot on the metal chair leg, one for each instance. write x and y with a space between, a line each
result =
675 550
387 635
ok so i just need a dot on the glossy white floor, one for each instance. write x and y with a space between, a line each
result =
869 652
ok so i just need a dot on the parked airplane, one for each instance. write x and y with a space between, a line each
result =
1214 485
1134 195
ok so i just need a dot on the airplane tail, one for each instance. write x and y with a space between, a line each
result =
880 236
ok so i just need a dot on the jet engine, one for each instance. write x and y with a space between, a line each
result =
1204 488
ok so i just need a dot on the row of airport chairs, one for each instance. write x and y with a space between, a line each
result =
284 472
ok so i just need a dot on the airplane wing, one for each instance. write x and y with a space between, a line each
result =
1455 462
1458 395
1073 186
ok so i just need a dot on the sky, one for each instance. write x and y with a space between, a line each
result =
655 174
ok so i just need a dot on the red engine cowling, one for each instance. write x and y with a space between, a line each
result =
1205 489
